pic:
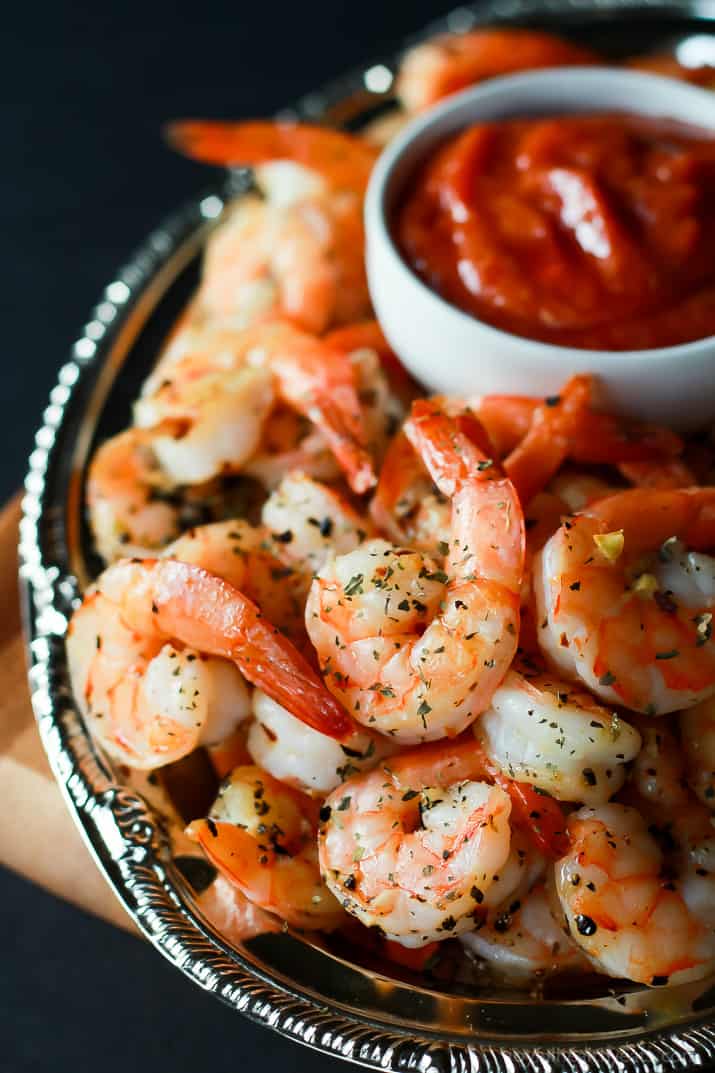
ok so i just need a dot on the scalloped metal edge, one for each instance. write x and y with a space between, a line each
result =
122 834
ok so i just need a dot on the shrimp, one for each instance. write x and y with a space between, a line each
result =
249 559
291 443
221 391
446 64
558 738
148 701
413 652
625 593
299 253
260 835
697 733
125 497
629 917
524 942
532 438
310 521
299 756
413 851
565 426
153 651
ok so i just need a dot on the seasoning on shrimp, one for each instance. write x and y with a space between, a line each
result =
415 651
624 644
149 701
260 834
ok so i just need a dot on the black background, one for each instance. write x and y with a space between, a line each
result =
84 176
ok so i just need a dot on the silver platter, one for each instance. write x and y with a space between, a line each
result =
332 999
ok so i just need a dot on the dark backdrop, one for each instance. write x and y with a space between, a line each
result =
84 88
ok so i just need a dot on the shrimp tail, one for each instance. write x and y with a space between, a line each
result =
344 436
539 815
446 445
546 445
343 159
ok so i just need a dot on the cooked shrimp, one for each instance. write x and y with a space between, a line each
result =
413 652
543 731
128 510
146 700
290 442
222 390
299 253
452 62
139 647
260 835
629 918
532 438
217 404
697 732
310 521
524 942
301 757
410 853
625 595
249 559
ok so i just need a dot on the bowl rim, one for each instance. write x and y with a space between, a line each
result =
123 834
427 127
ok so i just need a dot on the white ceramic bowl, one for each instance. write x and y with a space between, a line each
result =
451 351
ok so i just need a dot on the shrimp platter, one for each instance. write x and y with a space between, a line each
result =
451 668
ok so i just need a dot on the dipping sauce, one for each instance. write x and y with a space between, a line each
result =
587 231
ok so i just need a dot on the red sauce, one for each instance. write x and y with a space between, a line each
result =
587 231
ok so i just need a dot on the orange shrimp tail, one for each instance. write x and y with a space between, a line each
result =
596 439
540 816
235 854
344 160
533 463
447 445
344 437
400 469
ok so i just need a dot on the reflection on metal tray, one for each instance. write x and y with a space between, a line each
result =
321 992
